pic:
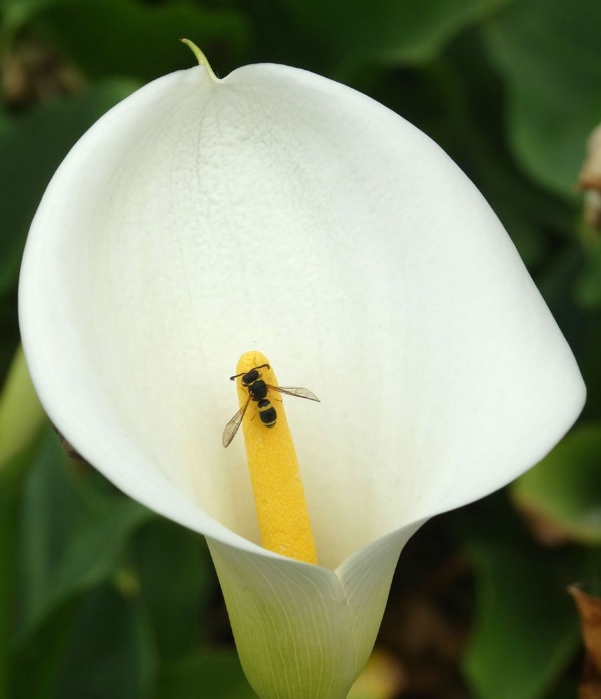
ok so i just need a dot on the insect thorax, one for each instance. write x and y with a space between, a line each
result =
257 389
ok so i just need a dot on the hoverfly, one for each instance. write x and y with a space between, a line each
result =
257 391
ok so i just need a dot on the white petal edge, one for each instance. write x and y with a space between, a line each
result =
441 372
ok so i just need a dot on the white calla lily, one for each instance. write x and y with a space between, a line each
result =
277 210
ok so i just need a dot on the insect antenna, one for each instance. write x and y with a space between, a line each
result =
246 372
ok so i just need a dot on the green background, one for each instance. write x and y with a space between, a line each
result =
100 597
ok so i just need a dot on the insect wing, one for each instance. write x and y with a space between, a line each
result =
232 426
292 391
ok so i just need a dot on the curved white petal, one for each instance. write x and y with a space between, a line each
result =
291 625
365 578
305 632
280 211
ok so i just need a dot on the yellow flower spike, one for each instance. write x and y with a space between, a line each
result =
275 476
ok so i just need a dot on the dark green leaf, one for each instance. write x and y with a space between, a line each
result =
31 148
588 288
110 652
11 478
208 673
17 12
72 536
21 415
176 580
343 36
565 488
582 328
459 102
144 37
35 666
525 629
474 99
550 56
50 511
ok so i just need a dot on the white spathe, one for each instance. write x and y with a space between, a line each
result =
279 211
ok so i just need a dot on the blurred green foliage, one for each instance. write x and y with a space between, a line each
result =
100 597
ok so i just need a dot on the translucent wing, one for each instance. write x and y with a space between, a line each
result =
232 426
292 391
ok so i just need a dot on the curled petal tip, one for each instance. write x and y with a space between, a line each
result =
200 57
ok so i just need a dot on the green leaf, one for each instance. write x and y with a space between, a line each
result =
49 512
11 478
19 11
31 148
550 56
110 651
176 579
472 100
458 101
526 630
21 415
344 36
588 287
208 673
73 537
35 666
581 328
565 488
144 36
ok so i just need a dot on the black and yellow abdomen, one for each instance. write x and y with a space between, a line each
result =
267 413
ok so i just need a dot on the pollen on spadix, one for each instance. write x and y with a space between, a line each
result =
278 491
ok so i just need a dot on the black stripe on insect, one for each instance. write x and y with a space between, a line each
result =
258 391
